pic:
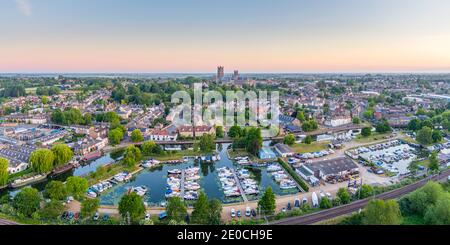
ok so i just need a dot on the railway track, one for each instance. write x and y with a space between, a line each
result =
357 205
7 222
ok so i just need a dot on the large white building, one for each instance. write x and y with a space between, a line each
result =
338 121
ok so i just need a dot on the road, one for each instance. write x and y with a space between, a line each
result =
355 206
7 222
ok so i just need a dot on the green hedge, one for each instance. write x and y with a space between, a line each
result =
294 175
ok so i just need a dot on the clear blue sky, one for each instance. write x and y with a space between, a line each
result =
250 35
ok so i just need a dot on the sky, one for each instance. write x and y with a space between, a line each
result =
249 35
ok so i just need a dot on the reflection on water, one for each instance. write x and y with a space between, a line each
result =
92 166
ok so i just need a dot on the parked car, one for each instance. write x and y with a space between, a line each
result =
283 210
96 216
289 207
71 215
233 213
64 215
297 203
253 213
105 217
147 216
238 214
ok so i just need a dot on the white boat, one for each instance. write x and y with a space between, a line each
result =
315 200
140 190
174 171
92 194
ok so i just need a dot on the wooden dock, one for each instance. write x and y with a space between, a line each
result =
238 182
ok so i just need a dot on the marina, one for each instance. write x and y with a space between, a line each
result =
187 178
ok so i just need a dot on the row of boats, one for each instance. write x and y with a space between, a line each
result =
191 185
97 189
243 160
183 183
281 177
228 182
249 185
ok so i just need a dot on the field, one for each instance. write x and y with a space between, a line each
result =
314 147
373 137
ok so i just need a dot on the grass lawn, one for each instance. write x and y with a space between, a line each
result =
424 163
373 137
313 147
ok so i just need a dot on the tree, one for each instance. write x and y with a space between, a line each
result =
215 212
365 191
289 139
176 209
308 140
58 117
77 186
4 171
369 113
301 115
206 143
131 206
337 202
310 125
366 132
132 156
267 204
356 120
325 203
436 136
434 162
44 100
42 160
379 212
424 136
235 132
89 207
52 210
115 136
27 201
426 123
219 132
55 190
200 214
136 136
421 199
414 124
150 147
253 141
62 153
439 213
343 195
383 127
